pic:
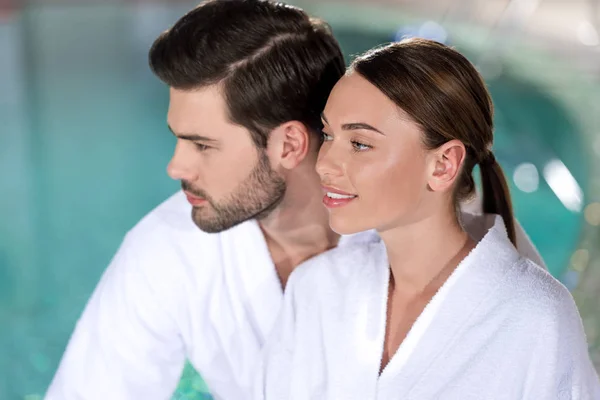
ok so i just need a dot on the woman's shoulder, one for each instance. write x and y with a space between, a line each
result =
538 297
517 285
340 266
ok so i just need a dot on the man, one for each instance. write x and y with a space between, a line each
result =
248 80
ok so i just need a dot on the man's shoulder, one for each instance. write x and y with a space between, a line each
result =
172 216
167 239
170 223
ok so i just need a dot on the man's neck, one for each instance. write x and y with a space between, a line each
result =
299 228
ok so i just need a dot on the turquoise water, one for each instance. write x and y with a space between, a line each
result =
83 152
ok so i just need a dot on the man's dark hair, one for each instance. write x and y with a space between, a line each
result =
273 62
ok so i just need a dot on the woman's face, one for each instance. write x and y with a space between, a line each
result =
373 165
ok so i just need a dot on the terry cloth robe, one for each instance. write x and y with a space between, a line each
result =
500 328
171 293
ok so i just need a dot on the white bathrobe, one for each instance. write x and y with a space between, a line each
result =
500 328
173 292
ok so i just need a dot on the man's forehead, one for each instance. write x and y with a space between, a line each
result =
207 97
198 106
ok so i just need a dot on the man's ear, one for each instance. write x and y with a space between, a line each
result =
289 144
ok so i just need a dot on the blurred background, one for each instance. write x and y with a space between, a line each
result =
84 144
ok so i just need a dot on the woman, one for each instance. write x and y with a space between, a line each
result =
429 312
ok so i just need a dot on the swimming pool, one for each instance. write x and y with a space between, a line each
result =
85 151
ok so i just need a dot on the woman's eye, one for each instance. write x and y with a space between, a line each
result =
358 146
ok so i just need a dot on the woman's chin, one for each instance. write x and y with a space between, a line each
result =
345 226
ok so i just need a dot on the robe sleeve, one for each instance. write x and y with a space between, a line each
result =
560 366
126 344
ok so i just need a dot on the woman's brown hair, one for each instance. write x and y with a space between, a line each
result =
443 92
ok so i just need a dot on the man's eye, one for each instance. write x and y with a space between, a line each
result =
326 137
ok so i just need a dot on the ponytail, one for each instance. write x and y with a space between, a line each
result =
496 195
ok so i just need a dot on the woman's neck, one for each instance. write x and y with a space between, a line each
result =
425 251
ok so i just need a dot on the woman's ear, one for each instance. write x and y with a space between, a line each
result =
446 162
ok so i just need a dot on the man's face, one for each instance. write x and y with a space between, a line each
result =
224 176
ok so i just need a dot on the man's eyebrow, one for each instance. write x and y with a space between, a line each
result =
191 136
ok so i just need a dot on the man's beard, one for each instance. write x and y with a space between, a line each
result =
254 198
